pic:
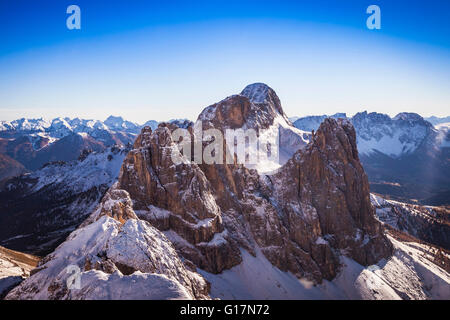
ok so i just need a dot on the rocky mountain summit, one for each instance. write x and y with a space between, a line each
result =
317 204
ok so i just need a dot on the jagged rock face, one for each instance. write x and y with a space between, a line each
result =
325 197
119 257
183 192
313 209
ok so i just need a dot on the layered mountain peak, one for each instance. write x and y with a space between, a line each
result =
26 125
324 193
394 137
114 120
257 92
257 107
260 93
310 123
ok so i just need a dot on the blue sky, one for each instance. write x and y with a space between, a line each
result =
170 59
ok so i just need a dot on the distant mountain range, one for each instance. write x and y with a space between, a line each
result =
406 157
27 144
435 120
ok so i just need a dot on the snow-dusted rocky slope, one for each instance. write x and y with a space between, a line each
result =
408 274
14 268
427 223
38 210
114 255
122 257
394 137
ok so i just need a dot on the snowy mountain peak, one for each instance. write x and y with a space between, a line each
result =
24 124
118 123
372 116
408 116
256 92
114 122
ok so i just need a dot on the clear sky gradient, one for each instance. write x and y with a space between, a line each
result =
169 59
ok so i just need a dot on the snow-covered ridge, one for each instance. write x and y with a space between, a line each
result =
311 123
400 135
59 127
58 198
426 223
97 169
116 259
43 133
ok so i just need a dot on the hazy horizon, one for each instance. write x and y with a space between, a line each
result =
141 122
162 61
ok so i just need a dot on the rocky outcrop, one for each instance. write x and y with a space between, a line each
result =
313 209
405 157
177 197
323 193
